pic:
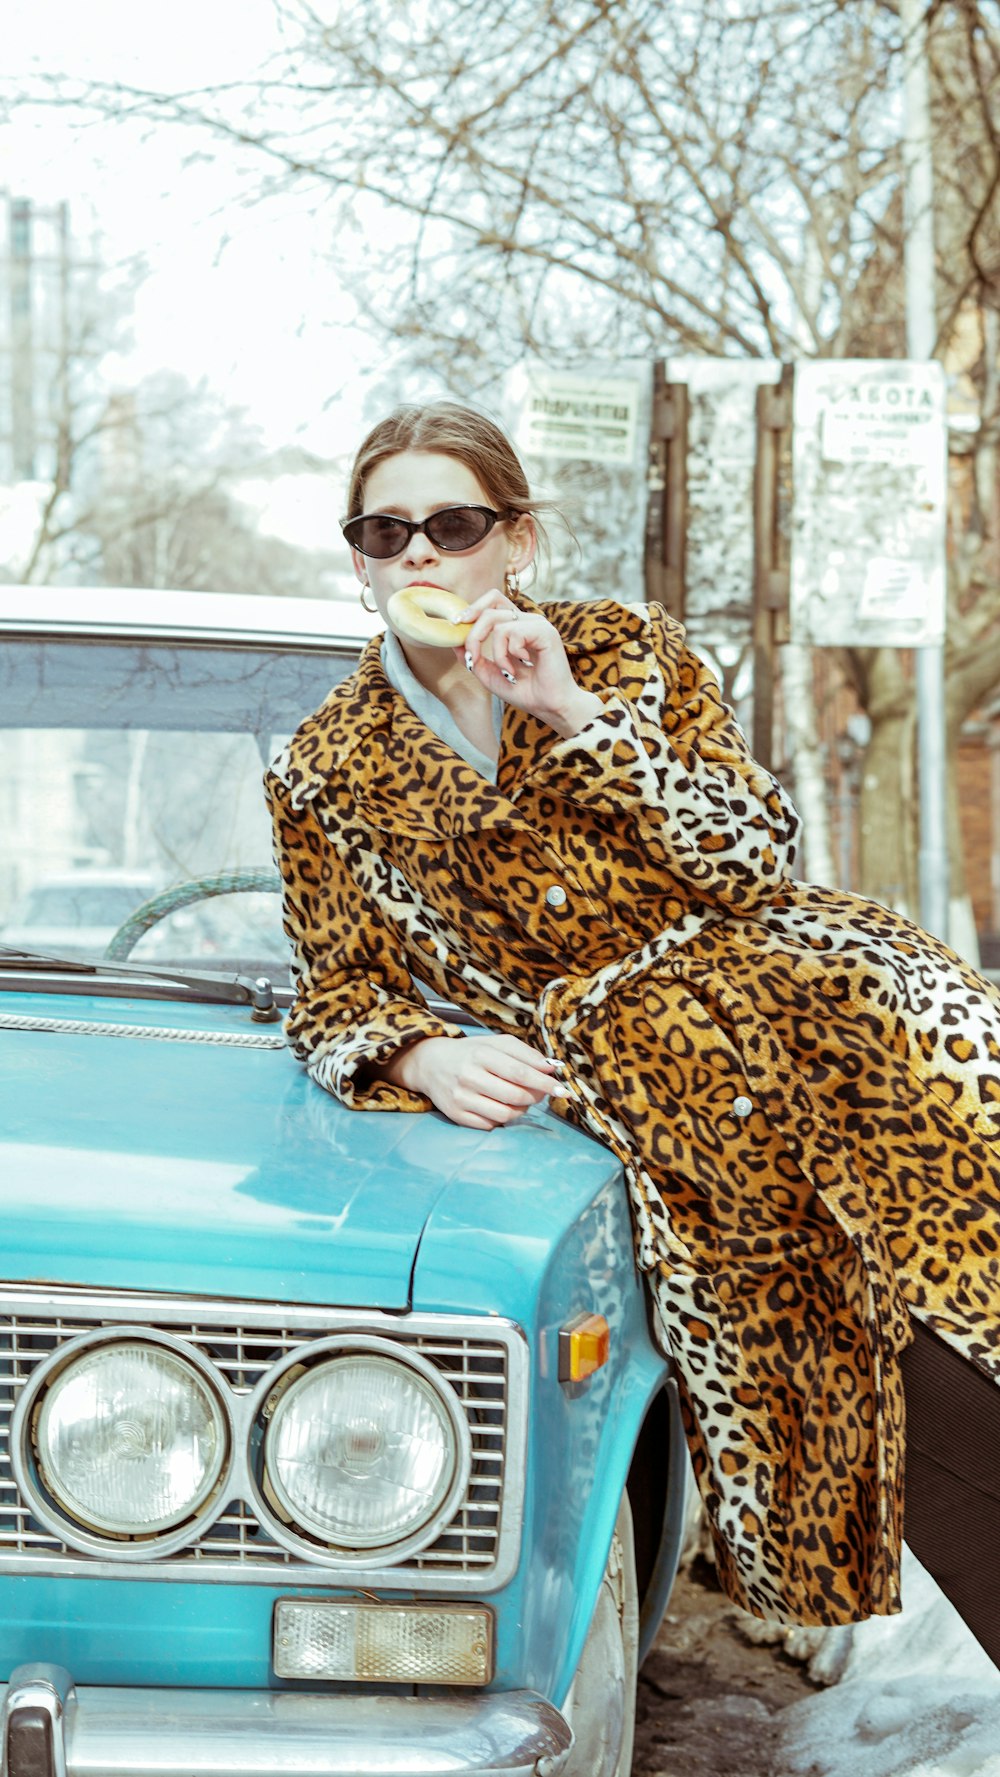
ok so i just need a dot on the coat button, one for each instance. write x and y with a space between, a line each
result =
742 1107
555 896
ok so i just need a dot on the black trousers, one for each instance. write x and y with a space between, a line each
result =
952 1511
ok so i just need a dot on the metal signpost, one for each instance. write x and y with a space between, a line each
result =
921 339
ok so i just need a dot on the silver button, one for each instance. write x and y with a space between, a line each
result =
742 1107
555 896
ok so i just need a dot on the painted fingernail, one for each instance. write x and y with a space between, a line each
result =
468 659
508 676
558 1089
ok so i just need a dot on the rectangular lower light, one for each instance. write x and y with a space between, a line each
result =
327 1638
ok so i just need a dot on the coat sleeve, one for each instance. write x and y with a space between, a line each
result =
356 1002
666 752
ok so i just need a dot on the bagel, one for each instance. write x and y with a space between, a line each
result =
426 614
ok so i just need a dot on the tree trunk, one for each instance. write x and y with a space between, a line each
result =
811 796
889 824
887 850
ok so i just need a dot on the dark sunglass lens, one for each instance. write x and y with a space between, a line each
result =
458 527
379 536
385 536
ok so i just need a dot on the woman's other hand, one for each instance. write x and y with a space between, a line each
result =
528 667
479 1081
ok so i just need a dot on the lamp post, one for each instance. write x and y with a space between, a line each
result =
921 338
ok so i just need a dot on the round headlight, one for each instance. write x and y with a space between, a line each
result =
130 1439
361 1451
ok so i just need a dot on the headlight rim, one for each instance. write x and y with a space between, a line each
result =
26 1467
299 1541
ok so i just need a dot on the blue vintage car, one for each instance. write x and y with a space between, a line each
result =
330 1443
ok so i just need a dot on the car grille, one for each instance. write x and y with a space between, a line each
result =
242 1343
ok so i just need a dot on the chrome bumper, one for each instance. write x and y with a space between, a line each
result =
53 1729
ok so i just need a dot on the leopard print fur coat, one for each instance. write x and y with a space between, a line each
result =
803 1088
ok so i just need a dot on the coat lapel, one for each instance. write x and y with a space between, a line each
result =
401 776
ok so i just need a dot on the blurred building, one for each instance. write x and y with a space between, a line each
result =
37 297
979 802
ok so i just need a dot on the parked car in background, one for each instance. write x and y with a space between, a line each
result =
77 912
329 1442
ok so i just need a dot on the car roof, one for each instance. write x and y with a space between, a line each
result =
201 616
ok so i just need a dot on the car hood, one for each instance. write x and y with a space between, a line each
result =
180 1161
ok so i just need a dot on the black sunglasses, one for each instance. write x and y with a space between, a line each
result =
453 528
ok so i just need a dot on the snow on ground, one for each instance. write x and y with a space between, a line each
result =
910 1696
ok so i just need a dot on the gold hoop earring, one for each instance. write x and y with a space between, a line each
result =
371 609
512 584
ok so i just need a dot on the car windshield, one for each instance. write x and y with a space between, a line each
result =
132 775
78 902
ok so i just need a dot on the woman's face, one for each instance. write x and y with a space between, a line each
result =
415 484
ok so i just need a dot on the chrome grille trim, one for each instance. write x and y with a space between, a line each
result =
484 1359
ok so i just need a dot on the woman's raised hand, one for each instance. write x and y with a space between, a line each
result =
480 1081
529 667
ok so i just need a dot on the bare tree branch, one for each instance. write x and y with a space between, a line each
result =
588 178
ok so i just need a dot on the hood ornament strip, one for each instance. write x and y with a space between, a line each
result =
155 1032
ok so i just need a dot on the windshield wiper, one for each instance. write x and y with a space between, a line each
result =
23 959
230 990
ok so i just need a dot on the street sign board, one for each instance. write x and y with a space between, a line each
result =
869 463
592 417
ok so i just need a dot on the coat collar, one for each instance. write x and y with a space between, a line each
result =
367 736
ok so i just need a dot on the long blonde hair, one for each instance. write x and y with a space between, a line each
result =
452 431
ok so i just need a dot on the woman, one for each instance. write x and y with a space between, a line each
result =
559 827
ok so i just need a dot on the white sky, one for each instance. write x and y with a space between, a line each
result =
243 295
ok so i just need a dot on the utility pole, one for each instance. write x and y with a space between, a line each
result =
921 338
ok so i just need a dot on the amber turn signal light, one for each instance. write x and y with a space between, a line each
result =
584 1346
